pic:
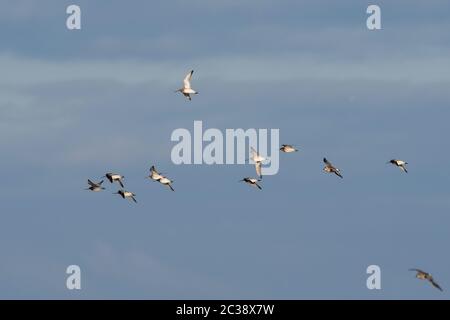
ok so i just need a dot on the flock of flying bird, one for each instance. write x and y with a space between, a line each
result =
257 159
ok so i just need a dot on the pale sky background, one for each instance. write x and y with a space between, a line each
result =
77 104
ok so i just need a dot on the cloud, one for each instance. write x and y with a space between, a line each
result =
259 68
147 275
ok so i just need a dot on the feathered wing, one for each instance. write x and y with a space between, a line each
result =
254 153
418 270
328 163
153 170
435 284
258 169
338 173
187 80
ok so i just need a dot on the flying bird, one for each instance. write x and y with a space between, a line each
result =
257 159
331 169
288 148
187 90
252 182
399 163
156 176
426 276
95 186
114 177
126 194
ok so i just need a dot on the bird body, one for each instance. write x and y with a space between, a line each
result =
252 182
422 275
112 177
126 194
167 182
399 163
287 148
95 186
329 168
156 176
258 160
187 90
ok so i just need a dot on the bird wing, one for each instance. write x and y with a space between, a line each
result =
254 153
328 163
187 79
337 172
258 168
92 184
121 184
153 169
259 187
134 199
170 186
418 270
435 284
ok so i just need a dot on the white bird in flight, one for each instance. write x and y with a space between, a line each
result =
399 163
126 194
156 176
287 148
258 160
114 177
252 182
187 90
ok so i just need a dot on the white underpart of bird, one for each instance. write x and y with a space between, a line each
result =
187 89
258 160
287 148
400 163
115 177
167 182
253 182
127 194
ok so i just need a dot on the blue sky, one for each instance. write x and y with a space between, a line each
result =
309 68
